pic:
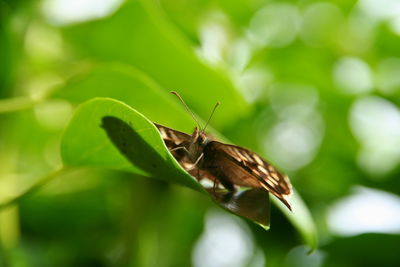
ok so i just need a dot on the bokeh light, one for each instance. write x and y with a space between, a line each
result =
224 242
295 139
365 211
353 76
376 124
275 25
62 12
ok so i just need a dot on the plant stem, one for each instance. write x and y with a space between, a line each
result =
16 104
35 187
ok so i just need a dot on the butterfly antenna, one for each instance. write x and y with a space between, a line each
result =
187 108
212 113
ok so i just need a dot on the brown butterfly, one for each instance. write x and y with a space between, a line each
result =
224 164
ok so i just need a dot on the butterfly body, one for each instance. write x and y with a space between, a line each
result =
195 148
229 165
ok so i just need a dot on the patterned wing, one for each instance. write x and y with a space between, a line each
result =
172 137
244 167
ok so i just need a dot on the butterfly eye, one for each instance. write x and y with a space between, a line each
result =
203 139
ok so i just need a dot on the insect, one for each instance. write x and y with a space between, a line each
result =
227 165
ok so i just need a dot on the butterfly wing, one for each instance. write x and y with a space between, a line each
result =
245 168
172 137
231 165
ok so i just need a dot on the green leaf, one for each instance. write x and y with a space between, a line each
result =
131 86
138 34
86 142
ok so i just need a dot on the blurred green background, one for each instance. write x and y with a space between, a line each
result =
314 86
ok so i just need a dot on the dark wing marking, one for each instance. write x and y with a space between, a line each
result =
245 165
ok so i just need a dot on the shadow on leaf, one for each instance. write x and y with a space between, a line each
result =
132 145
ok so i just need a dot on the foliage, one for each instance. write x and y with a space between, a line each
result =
309 85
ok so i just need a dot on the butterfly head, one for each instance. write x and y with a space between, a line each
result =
198 141
199 137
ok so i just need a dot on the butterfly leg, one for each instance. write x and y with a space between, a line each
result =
220 177
215 185
228 185
214 188
179 147
196 162
219 195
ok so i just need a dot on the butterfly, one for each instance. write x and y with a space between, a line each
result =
228 165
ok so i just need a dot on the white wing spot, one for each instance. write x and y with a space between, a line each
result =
236 153
174 137
269 182
187 165
275 182
163 133
271 169
172 134
241 156
258 159
275 176
247 156
256 172
261 168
